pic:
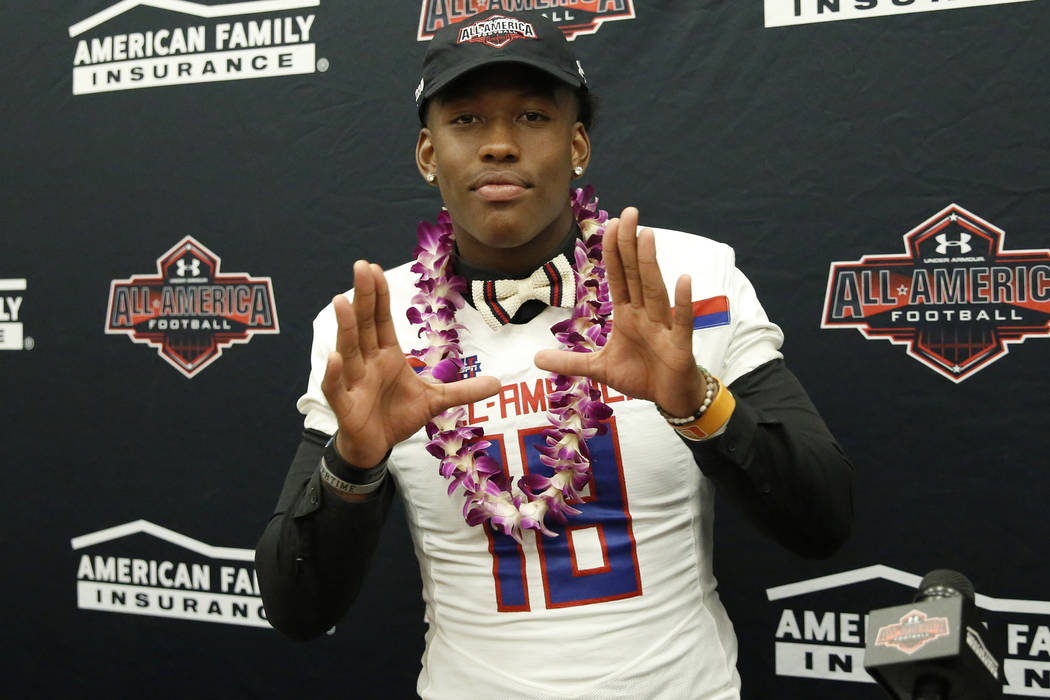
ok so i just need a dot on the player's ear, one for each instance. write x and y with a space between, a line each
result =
425 160
581 146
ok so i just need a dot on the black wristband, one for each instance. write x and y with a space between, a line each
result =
349 472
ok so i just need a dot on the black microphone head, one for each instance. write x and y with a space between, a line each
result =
933 647
944 583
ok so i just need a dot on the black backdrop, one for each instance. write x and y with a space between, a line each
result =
800 145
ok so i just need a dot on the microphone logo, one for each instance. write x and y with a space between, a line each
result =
914 631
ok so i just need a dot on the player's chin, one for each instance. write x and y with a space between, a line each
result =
507 228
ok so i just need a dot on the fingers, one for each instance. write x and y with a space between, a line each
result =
627 251
632 269
364 325
384 321
613 266
346 342
654 293
682 329
365 308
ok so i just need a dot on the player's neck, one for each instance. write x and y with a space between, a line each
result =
519 261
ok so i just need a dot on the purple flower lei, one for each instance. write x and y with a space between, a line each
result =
575 411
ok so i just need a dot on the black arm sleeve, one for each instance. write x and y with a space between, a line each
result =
780 464
313 554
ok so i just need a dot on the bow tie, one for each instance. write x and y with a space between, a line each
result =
498 300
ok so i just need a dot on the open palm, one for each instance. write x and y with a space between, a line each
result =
376 396
649 351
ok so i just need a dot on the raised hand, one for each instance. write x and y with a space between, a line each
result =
649 354
375 394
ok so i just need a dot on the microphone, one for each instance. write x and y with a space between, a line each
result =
932 649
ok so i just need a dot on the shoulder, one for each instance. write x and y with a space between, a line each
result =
673 241
680 249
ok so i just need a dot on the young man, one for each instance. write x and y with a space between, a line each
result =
613 595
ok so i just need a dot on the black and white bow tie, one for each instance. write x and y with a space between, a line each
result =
498 300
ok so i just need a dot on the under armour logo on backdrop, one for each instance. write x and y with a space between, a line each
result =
194 266
962 243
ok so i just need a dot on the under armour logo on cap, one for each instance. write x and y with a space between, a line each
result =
498 300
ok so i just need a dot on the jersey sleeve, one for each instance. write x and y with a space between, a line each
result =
755 340
315 551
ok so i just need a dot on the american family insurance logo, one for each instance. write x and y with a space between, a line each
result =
955 298
573 17
190 310
12 334
152 43
140 568
782 13
821 625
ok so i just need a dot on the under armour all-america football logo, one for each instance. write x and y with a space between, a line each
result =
955 298
190 311
573 17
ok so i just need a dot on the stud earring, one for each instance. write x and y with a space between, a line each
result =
431 178
577 171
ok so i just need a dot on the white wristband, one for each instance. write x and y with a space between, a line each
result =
345 487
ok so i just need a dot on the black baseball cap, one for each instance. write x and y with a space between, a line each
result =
497 37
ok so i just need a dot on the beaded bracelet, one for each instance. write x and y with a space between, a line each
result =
712 386
713 414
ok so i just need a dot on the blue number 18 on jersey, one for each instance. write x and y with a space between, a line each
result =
604 519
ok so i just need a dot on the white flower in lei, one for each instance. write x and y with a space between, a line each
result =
576 410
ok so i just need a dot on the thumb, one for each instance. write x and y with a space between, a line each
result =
576 364
466 391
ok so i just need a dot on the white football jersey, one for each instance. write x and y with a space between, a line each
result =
622 603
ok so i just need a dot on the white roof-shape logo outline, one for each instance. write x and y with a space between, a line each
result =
190 8
162 533
888 573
